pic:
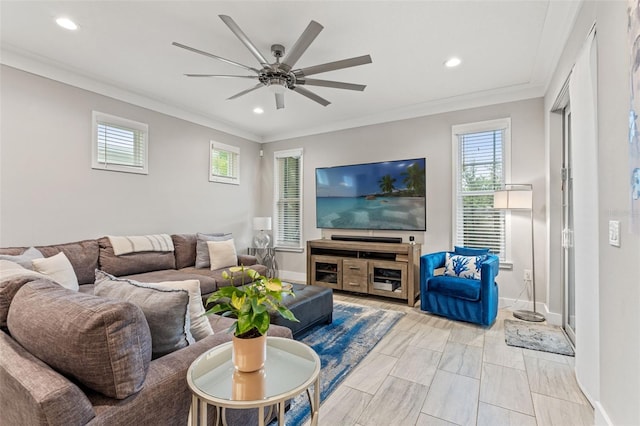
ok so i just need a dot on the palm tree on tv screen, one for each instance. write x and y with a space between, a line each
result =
386 183
414 179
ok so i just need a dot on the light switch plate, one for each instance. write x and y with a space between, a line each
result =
614 233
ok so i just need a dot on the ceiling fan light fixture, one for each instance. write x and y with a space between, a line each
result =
277 85
66 23
258 110
452 62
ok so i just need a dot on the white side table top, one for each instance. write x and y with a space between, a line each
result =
290 368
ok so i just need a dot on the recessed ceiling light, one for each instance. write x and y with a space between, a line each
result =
452 62
67 23
258 110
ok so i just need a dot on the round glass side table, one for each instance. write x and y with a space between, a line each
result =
290 369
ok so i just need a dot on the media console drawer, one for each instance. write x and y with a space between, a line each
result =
354 275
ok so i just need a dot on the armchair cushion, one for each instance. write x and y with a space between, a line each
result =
470 251
460 288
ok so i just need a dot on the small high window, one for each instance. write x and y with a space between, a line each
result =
119 144
224 163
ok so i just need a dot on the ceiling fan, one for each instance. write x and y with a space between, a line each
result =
280 75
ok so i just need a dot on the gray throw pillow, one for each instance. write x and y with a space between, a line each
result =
103 344
202 250
25 259
166 310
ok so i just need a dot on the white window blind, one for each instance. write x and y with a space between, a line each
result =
288 198
480 169
224 163
119 144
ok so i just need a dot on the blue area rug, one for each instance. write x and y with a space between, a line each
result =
341 345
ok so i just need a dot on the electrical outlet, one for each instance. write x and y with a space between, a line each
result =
527 275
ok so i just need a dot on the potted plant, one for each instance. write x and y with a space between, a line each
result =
251 305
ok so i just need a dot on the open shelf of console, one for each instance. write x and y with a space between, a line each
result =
383 269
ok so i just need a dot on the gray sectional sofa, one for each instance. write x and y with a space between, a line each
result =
88 255
72 358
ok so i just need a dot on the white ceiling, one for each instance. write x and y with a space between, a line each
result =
123 49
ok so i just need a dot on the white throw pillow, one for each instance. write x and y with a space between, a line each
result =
222 254
58 269
200 326
25 259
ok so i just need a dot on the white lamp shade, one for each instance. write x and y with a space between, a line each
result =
262 223
513 199
500 199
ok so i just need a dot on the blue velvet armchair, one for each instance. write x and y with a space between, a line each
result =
463 299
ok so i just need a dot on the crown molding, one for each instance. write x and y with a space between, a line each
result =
56 71
456 103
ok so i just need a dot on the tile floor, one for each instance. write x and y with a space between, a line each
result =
432 371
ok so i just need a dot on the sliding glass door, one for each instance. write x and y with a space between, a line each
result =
568 257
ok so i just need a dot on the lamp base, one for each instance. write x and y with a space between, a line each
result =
529 316
261 240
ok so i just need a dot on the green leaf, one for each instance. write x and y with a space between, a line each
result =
238 302
261 322
222 307
258 307
244 324
287 314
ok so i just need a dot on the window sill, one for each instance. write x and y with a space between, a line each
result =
290 249
506 265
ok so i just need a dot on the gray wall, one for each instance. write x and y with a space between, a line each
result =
428 137
619 285
50 194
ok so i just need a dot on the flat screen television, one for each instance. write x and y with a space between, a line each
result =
389 195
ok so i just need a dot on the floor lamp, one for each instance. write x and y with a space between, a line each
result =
520 197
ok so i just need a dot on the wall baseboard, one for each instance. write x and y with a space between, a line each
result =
296 277
600 416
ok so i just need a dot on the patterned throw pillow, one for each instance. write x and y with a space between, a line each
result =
464 266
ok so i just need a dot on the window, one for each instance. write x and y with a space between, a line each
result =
119 144
288 199
224 165
481 153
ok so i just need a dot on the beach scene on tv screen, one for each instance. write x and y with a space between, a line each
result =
387 195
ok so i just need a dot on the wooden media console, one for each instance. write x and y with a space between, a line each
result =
383 269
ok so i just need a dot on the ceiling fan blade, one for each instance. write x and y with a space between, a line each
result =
244 39
211 55
311 95
301 45
279 100
327 83
244 92
331 66
221 75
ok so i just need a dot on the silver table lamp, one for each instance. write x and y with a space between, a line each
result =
262 239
